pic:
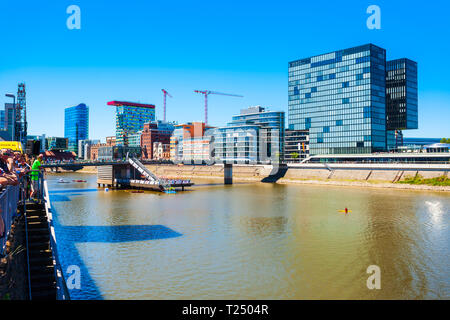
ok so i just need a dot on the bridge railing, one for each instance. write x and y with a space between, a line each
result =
61 285
9 198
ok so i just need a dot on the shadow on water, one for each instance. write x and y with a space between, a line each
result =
68 236
72 190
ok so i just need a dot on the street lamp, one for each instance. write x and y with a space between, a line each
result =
13 134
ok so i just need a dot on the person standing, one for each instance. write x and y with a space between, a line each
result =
35 170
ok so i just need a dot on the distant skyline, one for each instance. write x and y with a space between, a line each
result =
131 50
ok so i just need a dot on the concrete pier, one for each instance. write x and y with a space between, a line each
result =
228 174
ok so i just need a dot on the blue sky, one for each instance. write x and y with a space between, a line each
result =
130 50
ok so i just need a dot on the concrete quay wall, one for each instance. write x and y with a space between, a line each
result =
258 172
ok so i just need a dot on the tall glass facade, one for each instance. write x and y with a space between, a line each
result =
76 125
401 94
130 118
340 98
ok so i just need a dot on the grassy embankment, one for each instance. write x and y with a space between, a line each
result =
438 181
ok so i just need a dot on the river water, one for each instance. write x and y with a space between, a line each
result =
251 241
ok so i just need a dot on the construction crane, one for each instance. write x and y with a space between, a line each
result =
165 94
206 93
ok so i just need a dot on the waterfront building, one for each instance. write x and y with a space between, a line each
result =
255 135
2 119
109 153
340 98
401 94
161 151
420 141
437 148
130 118
153 132
41 140
394 139
183 132
56 143
296 145
76 125
111 141
84 148
197 149
9 120
134 140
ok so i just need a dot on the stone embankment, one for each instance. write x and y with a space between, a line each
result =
339 177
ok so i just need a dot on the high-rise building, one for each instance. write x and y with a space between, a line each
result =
130 118
76 125
340 98
56 144
9 120
2 119
401 94
255 135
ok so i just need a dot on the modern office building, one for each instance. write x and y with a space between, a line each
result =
401 100
340 98
255 135
134 140
56 144
296 145
41 139
2 119
189 135
401 94
76 125
153 132
9 119
108 153
130 118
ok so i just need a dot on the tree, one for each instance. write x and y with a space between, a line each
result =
443 140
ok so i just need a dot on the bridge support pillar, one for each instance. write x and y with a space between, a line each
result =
228 173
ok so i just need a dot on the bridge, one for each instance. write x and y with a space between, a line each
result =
77 165
134 174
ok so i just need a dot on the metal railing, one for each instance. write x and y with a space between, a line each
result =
9 199
61 285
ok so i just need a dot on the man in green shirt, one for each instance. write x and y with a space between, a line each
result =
34 174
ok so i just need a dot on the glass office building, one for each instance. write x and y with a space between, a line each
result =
76 125
401 94
253 136
340 98
130 119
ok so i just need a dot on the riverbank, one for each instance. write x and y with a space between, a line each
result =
393 179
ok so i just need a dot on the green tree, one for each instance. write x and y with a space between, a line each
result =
443 140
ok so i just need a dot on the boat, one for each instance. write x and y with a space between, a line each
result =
63 181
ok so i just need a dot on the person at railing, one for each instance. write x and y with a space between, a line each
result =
7 176
35 171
